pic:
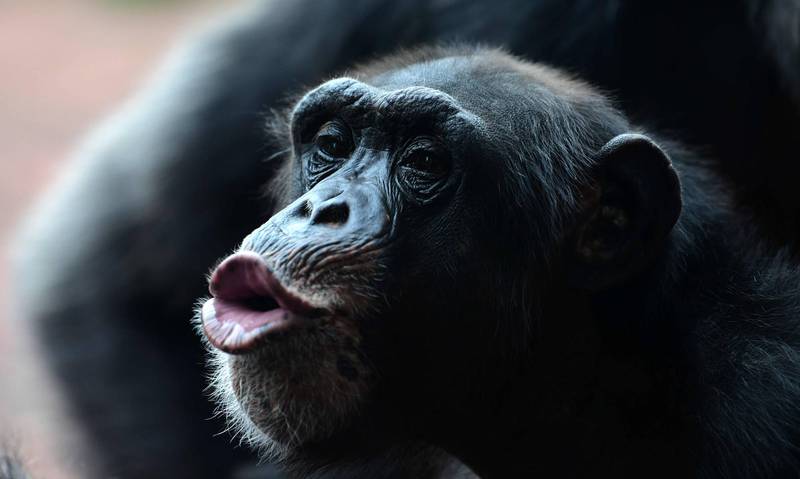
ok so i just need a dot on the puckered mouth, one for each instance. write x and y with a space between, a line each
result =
250 304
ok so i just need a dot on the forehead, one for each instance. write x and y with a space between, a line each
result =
450 74
438 92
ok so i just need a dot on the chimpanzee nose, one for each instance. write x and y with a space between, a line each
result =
334 208
333 212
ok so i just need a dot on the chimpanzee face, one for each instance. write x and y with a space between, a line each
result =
427 212
375 218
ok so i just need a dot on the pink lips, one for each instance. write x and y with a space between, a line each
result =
249 304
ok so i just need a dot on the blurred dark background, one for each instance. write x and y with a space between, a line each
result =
64 65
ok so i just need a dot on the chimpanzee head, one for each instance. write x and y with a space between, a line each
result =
432 204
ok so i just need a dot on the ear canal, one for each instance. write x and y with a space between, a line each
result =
639 202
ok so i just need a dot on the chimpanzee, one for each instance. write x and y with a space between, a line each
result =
112 262
483 254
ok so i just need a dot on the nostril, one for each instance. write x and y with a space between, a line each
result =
304 209
332 214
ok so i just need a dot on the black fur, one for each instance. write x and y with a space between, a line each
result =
113 261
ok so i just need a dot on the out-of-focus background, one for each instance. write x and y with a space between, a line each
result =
64 65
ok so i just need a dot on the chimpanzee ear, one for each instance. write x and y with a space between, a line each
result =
635 204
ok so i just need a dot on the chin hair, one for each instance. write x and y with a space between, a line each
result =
293 390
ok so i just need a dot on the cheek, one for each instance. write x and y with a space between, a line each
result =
444 244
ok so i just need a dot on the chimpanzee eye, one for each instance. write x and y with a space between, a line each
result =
426 159
334 140
424 169
427 162
332 143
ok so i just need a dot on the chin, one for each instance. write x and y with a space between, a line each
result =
294 387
